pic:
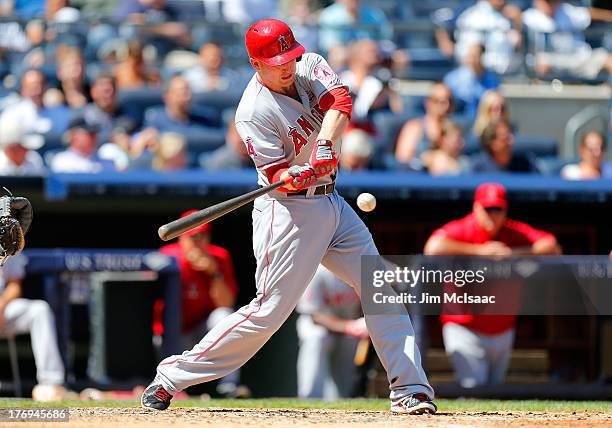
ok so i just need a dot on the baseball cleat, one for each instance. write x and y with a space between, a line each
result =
415 404
155 397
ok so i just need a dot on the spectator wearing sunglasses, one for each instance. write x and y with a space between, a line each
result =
479 346
420 134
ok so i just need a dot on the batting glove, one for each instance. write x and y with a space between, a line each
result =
301 176
323 158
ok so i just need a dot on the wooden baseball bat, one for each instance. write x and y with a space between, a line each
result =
362 351
178 227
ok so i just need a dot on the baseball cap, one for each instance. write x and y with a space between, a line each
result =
13 130
79 122
202 228
491 195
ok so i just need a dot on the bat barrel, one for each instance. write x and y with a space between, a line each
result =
179 226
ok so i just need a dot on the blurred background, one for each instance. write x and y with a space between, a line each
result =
117 117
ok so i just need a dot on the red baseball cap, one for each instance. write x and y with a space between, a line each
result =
272 42
202 228
491 195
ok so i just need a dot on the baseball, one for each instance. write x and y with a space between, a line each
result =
366 202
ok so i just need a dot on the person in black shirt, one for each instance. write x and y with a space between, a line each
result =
498 154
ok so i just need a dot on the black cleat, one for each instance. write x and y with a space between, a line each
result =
155 397
415 404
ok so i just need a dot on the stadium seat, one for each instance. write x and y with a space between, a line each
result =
202 142
472 145
219 100
188 10
388 126
138 100
52 142
426 8
391 8
551 165
539 146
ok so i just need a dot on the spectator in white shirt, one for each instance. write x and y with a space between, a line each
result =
31 108
555 31
211 74
80 157
492 23
369 93
17 148
592 153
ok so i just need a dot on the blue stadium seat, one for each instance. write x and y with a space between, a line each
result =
472 145
201 142
219 100
539 146
388 126
415 33
390 163
425 71
391 8
188 10
426 8
53 142
551 165
138 100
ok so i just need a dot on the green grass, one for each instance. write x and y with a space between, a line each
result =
444 405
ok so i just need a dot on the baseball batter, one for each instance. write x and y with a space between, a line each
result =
291 117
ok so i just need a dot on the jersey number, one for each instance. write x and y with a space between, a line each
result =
250 149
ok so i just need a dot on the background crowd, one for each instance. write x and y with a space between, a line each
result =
90 86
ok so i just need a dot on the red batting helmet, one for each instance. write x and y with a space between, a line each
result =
272 42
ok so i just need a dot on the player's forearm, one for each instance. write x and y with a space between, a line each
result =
330 322
12 291
546 247
333 126
445 44
437 246
600 14
220 293
542 247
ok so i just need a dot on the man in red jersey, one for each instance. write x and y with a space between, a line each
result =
479 346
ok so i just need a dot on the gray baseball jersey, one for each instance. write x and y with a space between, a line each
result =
292 235
330 295
277 128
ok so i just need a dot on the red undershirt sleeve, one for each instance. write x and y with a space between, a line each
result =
337 99
274 172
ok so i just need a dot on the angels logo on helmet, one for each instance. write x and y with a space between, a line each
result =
284 46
